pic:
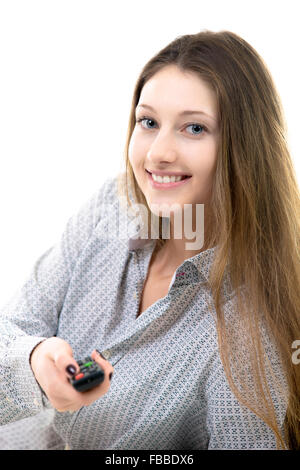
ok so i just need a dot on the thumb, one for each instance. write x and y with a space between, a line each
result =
103 363
62 356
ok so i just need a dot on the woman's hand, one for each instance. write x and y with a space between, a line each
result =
50 361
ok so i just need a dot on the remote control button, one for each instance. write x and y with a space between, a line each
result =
79 376
88 364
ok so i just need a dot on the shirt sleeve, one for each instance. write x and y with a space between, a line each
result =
32 314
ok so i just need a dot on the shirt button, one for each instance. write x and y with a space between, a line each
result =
106 354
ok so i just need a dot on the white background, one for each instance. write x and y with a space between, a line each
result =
67 73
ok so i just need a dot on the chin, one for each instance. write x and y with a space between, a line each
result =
165 209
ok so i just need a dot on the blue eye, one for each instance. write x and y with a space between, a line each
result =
194 125
144 119
197 125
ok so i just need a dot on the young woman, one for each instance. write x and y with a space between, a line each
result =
199 337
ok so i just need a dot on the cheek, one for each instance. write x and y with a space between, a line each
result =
204 169
208 169
135 152
131 152
204 164
206 177
136 161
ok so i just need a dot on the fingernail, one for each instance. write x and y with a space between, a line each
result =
71 369
100 354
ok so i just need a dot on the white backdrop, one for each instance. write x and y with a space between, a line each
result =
67 72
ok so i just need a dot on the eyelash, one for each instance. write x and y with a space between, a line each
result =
204 128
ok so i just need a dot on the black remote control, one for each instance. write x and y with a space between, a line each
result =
89 376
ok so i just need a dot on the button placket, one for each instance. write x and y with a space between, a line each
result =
138 284
136 265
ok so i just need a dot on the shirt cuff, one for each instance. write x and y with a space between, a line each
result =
45 400
20 390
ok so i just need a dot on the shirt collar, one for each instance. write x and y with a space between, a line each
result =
202 261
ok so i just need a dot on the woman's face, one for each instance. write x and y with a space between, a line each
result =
168 142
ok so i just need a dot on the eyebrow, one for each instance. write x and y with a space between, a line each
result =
183 113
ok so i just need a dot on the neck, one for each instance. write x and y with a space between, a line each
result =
176 250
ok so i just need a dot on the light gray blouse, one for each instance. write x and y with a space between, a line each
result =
169 389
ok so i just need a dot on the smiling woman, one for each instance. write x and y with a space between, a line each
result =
199 340
236 154
172 147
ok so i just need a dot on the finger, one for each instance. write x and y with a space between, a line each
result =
65 362
91 395
78 399
60 352
103 363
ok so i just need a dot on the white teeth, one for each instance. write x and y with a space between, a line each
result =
166 179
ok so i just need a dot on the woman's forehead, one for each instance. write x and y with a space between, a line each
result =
178 92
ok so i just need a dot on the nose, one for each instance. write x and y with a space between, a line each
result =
162 149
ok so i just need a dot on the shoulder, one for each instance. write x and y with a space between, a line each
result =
105 199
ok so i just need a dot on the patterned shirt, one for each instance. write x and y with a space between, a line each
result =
169 389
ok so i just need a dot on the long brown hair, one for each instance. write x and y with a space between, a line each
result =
256 209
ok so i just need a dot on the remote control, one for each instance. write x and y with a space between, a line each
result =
89 376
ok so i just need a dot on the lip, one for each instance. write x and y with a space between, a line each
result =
167 173
157 185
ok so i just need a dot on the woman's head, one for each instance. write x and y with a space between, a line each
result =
245 173
176 133
222 73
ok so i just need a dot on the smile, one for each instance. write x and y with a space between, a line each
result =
167 182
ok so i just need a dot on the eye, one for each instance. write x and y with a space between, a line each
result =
144 119
198 127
